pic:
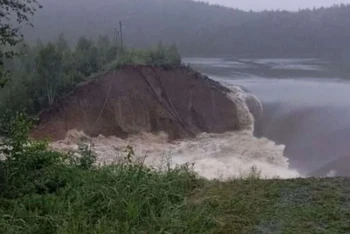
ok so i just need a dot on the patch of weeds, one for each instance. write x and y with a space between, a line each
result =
307 206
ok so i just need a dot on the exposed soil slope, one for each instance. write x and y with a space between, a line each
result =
135 99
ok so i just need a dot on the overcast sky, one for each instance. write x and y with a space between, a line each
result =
276 4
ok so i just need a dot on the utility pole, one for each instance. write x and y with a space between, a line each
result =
116 37
121 33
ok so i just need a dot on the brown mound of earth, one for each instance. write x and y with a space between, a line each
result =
135 99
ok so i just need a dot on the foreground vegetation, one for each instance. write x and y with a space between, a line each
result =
47 192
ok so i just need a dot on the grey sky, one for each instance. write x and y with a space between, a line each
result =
276 4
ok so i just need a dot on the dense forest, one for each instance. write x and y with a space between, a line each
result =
43 73
199 28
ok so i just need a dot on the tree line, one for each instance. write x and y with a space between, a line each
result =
202 29
43 73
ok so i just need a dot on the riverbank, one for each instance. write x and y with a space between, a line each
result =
133 199
278 68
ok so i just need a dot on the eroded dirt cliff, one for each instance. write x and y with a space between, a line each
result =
134 99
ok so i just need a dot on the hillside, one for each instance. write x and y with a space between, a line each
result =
199 28
133 99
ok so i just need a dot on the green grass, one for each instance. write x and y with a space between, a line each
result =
121 199
279 206
133 199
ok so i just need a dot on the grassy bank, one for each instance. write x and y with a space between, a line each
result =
133 199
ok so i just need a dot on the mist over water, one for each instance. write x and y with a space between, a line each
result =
303 109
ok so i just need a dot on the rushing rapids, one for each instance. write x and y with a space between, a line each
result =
222 156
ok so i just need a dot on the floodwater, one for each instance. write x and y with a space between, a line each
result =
306 107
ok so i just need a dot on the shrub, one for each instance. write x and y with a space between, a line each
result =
158 56
28 166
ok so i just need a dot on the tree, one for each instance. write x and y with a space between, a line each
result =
10 11
87 57
103 46
62 44
49 66
174 55
157 55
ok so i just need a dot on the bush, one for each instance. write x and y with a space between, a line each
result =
28 166
158 56
84 158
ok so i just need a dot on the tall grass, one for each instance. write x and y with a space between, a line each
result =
118 199
47 192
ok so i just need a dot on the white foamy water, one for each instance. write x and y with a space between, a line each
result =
213 156
239 97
